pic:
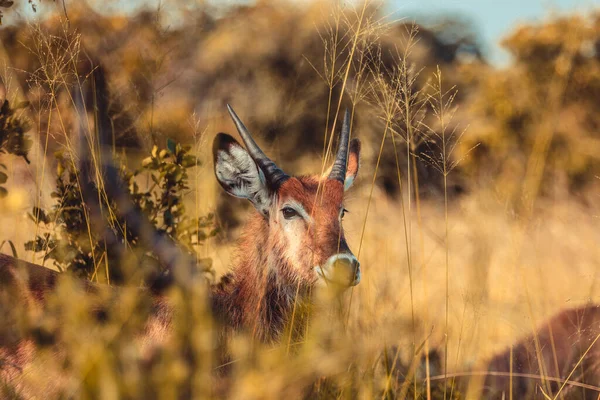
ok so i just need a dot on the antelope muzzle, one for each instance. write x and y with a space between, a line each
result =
340 269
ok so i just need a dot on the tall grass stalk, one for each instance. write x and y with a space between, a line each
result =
411 105
442 146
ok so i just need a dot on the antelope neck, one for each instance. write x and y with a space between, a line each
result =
253 295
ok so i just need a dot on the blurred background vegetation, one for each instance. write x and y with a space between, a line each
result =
514 149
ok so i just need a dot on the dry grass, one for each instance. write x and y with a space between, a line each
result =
469 275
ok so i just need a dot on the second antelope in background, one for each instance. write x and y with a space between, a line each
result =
561 359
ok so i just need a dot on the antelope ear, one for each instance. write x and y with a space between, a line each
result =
352 166
238 174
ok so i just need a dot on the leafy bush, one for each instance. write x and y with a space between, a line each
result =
71 242
13 128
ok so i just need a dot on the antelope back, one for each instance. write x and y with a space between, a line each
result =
30 281
564 345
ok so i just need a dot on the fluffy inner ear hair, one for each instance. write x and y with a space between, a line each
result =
238 174
353 163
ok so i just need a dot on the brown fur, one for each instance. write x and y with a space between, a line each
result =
563 341
260 292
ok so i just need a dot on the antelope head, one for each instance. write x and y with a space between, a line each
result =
303 215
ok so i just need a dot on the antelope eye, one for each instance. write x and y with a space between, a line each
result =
344 211
289 213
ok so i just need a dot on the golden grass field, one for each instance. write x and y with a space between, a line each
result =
481 270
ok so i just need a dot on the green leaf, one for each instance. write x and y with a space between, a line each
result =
39 215
37 245
189 161
178 174
147 161
172 146
3 177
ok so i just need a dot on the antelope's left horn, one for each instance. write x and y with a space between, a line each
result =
338 170
274 175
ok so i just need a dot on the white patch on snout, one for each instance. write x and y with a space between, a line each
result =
328 273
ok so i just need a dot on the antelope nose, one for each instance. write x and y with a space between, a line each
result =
343 269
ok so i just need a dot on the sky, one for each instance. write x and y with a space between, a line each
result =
492 18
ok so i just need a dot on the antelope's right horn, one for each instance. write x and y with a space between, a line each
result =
338 170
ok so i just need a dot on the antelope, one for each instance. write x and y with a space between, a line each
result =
292 243
563 348
561 359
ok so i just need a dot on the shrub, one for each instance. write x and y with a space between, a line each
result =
13 140
73 245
